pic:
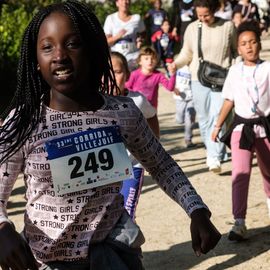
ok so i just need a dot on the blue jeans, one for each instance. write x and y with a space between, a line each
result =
207 105
185 114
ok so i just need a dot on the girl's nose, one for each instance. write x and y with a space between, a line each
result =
59 54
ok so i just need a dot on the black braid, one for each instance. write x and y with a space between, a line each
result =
32 90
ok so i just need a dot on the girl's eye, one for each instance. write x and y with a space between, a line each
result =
73 44
46 47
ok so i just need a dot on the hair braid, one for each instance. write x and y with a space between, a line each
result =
32 89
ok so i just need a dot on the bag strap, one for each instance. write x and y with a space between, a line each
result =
200 41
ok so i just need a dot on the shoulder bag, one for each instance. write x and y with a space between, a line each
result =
209 74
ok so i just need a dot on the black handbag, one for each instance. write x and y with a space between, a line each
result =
209 74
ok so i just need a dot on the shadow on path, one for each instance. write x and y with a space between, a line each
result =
181 256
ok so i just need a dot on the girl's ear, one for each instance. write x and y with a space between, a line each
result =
38 67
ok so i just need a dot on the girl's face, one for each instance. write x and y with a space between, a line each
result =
148 63
157 4
237 19
120 73
165 27
62 58
205 15
123 5
249 47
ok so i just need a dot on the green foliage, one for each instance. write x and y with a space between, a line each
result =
12 25
102 10
140 7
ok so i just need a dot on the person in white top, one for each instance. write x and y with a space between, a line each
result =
125 32
247 90
131 188
225 11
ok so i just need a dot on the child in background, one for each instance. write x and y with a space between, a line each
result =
64 99
237 18
247 90
164 41
131 188
185 112
156 15
146 79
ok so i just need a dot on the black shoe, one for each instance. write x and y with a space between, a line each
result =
191 145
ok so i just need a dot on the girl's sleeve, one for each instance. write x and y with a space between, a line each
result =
9 172
147 149
108 26
154 37
146 108
169 84
228 87
130 83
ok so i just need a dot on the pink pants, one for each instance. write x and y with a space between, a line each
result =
241 170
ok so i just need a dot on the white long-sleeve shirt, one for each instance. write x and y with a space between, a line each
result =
61 227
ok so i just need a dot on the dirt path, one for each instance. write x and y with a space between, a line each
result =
166 226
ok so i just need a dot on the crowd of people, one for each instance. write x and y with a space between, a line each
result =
83 126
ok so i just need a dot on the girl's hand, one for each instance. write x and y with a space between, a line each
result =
215 133
121 33
172 68
15 252
204 234
174 32
177 91
139 42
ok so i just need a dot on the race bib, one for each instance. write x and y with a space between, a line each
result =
183 83
125 47
164 41
88 159
158 19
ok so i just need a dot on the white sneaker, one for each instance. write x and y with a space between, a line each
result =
238 232
214 165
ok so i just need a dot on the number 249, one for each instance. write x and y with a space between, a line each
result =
105 159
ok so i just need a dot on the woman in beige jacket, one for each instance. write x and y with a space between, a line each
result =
218 45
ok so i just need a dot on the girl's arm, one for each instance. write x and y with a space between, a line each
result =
169 84
15 252
154 125
146 148
113 39
224 112
129 84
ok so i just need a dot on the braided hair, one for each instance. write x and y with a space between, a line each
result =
32 90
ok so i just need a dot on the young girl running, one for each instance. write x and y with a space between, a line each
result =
131 188
146 79
65 131
247 90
